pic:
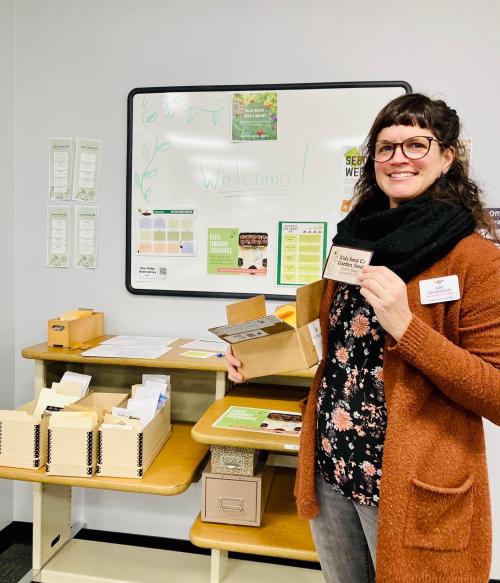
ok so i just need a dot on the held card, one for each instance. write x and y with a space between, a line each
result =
345 263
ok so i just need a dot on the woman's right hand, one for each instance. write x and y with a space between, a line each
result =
232 367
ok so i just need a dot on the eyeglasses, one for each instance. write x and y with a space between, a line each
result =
413 148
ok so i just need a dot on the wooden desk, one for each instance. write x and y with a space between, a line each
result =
173 470
282 399
282 533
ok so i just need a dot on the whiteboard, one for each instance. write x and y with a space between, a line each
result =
218 202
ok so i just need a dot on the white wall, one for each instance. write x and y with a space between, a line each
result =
76 63
7 387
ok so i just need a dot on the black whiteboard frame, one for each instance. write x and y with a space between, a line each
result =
228 88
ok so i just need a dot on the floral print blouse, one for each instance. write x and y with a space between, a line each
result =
351 410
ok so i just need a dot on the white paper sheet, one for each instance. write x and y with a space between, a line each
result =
200 344
107 351
150 341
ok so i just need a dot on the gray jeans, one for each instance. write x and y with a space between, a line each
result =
345 535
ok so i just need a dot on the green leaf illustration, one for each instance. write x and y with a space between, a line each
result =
137 180
189 114
150 173
215 118
163 147
147 194
152 117
145 153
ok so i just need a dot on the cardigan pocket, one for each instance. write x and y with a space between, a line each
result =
439 518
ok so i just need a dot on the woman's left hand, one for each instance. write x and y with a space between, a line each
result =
386 293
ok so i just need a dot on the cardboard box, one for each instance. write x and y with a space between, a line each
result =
72 333
128 452
72 440
23 438
235 499
266 345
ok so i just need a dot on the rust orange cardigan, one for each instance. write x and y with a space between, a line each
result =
440 379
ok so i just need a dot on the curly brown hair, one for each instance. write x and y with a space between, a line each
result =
454 187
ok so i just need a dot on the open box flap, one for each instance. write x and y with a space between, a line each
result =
309 301
245 310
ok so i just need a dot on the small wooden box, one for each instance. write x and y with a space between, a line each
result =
235 499
68 333
23 438
72 451
233 460
129 453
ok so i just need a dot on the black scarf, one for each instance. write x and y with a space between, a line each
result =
409 238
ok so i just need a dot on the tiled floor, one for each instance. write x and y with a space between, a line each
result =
15 562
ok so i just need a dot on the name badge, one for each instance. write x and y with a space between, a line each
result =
439 289
345 263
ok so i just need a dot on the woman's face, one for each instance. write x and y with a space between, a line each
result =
403 179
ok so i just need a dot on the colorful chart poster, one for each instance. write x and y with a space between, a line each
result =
301 252
351 162
166 232
87 168
58 226
262 420
86 231
255 116
222 251
60 168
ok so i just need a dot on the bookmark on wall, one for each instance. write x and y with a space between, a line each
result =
58 226
60 168
86 232
87 168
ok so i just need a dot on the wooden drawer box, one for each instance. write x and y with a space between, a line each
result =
235 499
233 460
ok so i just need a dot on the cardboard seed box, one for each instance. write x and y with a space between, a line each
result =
69 333
23 438
266 345
72 437
128 452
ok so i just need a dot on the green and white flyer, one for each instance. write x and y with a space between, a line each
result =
255 116
60 168
58 225
86 230
222 251
351 162
301 252
262 420
87 168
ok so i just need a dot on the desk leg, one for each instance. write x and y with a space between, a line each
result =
217 565
220 384
51 521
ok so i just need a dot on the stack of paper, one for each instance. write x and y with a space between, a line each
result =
149 347
147 399
70 389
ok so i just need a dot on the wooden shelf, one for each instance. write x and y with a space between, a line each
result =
172 359
281 534
282 398
175 467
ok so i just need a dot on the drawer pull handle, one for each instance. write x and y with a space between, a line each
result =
230 504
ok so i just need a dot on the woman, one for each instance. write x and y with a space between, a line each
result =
403 381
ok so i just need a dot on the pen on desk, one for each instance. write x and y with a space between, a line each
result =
219 355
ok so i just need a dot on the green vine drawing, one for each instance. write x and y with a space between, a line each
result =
149 115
